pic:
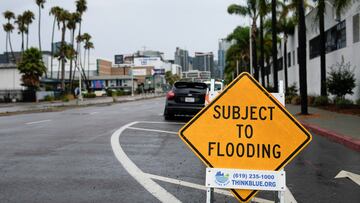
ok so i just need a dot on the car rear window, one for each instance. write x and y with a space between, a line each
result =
195 85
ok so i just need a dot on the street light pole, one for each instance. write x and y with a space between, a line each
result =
132 81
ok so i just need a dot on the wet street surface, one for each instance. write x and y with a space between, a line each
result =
128 153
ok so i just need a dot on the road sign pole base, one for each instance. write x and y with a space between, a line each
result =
210 195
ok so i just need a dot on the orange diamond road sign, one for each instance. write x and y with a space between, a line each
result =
245 127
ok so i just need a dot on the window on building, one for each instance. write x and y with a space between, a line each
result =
336 37
289 59
315 47
356 25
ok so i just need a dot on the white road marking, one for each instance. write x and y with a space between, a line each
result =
152 130
289 198
156 190
146 181
93 113
352 176
199 187
159 122
36 122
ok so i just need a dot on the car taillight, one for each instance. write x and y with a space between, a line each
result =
170 95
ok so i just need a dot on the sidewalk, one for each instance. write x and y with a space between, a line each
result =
12 108
338 127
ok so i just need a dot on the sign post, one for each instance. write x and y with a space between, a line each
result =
245 128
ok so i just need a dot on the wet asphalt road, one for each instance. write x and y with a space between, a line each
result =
68 157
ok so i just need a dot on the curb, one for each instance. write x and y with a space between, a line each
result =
64 106
347 141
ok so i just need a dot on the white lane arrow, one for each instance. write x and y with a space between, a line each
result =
352 176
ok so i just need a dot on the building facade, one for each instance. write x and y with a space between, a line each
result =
342 43
224 45
182 59
204 62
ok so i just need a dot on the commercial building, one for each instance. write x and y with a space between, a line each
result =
182 59
224 45
342 42
204 61
196 75
10 82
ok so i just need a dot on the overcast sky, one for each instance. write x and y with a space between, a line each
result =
125 26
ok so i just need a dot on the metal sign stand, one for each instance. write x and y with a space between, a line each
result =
279 195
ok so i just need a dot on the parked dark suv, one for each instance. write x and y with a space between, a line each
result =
185 98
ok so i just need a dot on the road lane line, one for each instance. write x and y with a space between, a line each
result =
156 190
289 197
152 130
93 113
199 187
159 122
352 176
36 122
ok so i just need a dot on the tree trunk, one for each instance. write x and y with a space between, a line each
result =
6 47
268 72
40 28
27 40
88 81
22 42
71 60
285 62
302 58
11 49
274 44
322 55
52 49
262 51
254 52
63 57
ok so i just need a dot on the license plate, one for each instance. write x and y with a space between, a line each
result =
190 99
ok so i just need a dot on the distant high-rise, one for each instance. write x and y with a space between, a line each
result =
224 45
182 58
204 62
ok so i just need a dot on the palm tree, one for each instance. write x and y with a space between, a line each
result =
339 5
21 29
81 7
287 27
28 19
302 56
238 55
55 11
86 39
62 19
73 20
8 28
40 4
274 43
250 10
88 45
263 11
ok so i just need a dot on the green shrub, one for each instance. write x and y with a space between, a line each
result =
120 93
110 93
296 100
343 103
290 93
358 102
49 98
341 79
90 95
321 101
311 100
65 99
271 89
